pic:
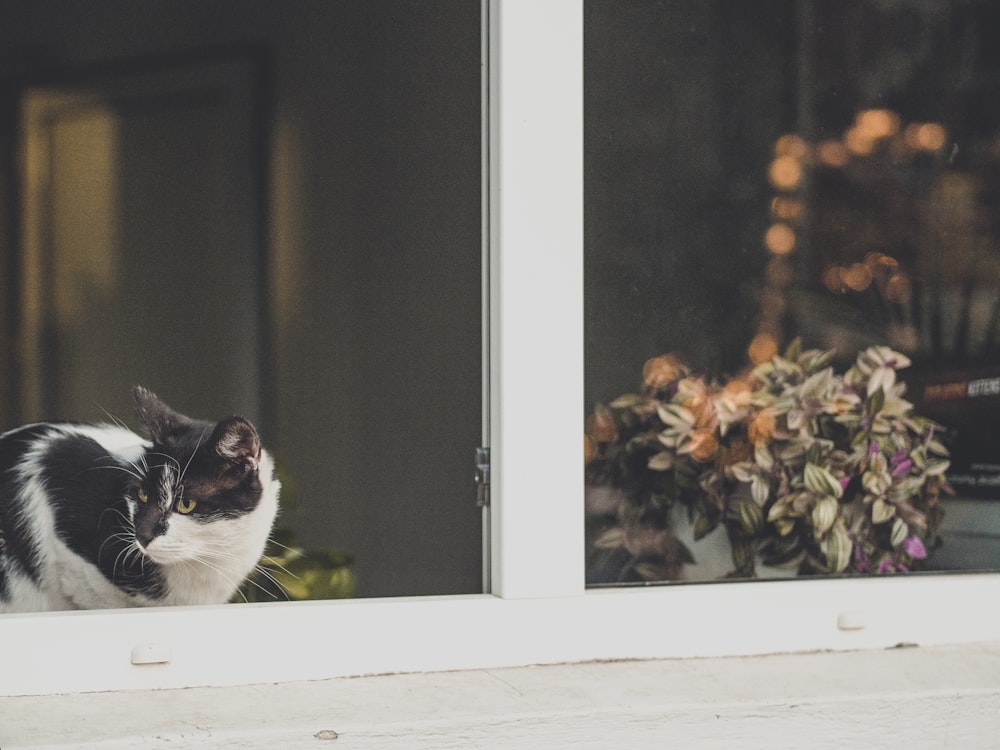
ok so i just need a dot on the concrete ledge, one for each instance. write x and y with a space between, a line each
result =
937 697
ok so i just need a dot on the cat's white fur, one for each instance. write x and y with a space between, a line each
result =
203 563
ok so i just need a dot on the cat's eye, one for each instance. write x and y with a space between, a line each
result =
185 506
143 497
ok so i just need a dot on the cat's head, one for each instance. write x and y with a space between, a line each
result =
207 490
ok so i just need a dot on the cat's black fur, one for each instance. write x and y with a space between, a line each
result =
95 516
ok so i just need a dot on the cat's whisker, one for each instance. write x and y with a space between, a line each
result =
114 420
183 472
116 467
173 461
121 514
263 572
128 551
279 544
221 571
275 564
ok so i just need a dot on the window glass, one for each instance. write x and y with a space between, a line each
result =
792 308
270 211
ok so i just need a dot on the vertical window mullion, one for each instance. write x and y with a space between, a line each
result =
536 239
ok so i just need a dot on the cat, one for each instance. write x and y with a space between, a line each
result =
96 516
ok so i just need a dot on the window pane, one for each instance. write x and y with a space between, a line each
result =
297 239
791 216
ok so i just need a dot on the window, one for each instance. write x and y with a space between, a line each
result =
540 611
779 177
197 218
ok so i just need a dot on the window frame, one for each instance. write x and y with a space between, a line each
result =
538 609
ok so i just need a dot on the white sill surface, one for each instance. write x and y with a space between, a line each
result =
940 697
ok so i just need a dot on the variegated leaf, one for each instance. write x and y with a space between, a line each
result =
661 461
824 515
760 490
882 511
899 532
838 550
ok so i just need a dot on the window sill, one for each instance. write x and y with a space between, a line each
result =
72 652
915 696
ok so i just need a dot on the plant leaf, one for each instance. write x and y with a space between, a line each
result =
661 461
821 482
876 401
760 489
838 550
824 515
611 539
751 518
882 511
705 525
899 532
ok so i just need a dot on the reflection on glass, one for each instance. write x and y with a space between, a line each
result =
793 316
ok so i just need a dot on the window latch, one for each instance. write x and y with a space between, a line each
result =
482 477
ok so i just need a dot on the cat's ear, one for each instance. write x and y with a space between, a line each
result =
236 440
159 419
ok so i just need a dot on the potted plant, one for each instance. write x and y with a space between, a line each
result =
829 473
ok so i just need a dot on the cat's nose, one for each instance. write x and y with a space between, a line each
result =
146 533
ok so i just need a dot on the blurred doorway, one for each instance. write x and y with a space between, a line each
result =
143 256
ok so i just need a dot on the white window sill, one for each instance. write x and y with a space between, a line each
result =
942 696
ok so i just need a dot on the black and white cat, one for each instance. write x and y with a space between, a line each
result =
95 516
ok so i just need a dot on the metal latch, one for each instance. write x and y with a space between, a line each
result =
482 477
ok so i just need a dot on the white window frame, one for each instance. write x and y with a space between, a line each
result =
538 610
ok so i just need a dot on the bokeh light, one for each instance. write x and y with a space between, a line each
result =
791 145
833 281
780 239
786 209
877 123
786 173
857 277
833 154
859 142
899 289
928 136
762 348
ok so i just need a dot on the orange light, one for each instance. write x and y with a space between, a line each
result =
877 261
833 153
785 173
762 349
787 209
859 142
791 145
899 289
780 239
833 281
878 123
858 277
929 136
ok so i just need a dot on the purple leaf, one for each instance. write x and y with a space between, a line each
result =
902 468
914 547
